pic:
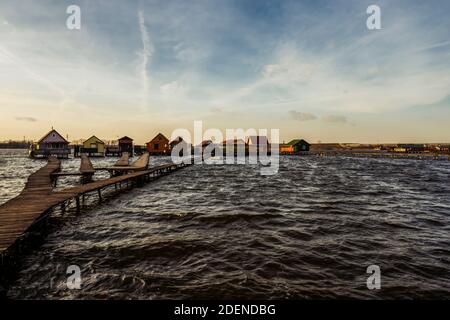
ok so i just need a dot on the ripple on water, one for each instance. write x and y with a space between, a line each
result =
227 232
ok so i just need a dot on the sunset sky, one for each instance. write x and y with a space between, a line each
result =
310 68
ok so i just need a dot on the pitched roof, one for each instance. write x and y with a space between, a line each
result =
159 134
177 140
125 138
53 132
99 140
205 143
296 141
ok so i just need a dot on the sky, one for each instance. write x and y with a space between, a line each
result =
311 69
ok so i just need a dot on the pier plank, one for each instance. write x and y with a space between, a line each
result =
124 160
86 166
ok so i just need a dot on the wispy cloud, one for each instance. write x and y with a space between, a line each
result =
28 119
302 116
216 109
334 118
37 77
146 54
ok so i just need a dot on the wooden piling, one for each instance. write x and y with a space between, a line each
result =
77 200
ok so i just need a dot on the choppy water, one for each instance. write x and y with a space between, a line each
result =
228 232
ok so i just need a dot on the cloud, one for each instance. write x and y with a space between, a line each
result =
287 71
216 109
34 75
189 53
334 118
146 54
28 119
302 116
172 89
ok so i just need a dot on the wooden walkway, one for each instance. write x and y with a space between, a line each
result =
124 160
140 164
86 166
37 199
86 169
19 213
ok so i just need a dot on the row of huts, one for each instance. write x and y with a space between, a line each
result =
53 143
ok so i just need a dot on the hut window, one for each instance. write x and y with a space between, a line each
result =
156 146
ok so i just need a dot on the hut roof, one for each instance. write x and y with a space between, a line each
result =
53 136
205 143
95 139
296 141
176 140
159 135
125 138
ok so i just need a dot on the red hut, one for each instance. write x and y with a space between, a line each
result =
126 145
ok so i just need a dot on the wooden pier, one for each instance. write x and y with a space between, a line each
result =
19 213
124 159
122 167
86 171
38 199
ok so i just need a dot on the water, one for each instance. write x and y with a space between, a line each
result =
228 232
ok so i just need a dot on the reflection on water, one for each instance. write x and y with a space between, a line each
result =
228 232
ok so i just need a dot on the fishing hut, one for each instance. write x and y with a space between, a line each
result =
52 144
112 150
93 147
126 145
296 146
159 145
409 148
180 145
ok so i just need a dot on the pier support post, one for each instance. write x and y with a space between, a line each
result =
77 200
